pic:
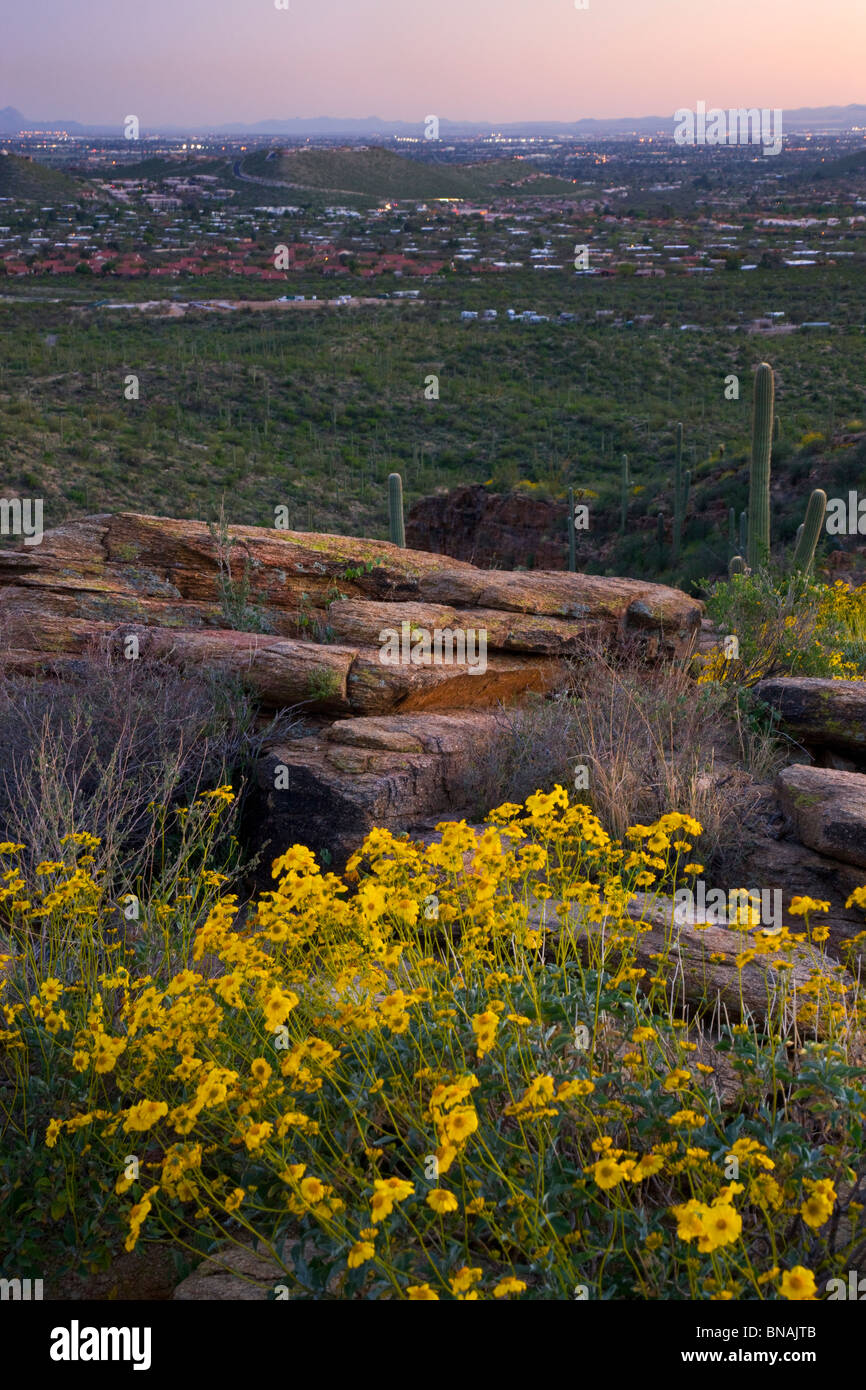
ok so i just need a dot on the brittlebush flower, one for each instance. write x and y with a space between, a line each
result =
381 1205
721 1226
441 1201
460 1124
312 1190
689 1219
816 1210
798 1284
484 1027
646 1167
463 1280
421 1293
360 1252
607 1173
507 1286
144 1115
256 1135
801 907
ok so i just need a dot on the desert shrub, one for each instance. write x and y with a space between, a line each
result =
647 739
235 593
789 625
433 1089
77 924
126 748
118 745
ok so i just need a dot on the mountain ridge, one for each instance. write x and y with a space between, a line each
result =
835 117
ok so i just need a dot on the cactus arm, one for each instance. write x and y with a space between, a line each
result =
810 531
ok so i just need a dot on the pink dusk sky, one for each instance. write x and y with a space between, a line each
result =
201 62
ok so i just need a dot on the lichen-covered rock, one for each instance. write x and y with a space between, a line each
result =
821 713
828 809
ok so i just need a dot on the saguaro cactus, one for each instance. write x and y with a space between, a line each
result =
572 538
682 486
807 536
625 484
732 532
660 534
758 549
744 531
395 509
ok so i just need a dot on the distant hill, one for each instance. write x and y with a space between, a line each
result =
11 121
24 178
816 118
380 173
159 168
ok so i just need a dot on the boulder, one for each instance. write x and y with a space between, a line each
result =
819 713
616 608
231 1275
127 555
329 789
768 861
698 963
828 810
240 1274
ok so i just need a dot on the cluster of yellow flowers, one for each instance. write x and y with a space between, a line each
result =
407 1083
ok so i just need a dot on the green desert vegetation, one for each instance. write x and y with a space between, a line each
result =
313 410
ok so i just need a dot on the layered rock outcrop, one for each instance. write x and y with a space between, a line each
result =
400 657
317 610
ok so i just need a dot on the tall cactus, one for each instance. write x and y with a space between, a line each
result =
807 536
732 532
572 538
744 532
660 535
758 549
682 485
395 510
625 484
